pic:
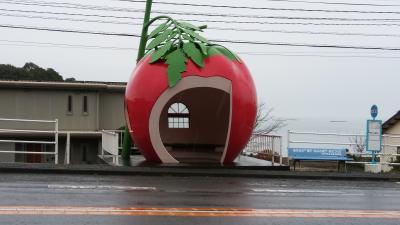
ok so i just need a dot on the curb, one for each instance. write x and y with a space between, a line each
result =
196 172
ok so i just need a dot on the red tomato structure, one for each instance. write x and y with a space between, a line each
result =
207 117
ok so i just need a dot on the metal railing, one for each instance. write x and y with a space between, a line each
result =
112 141
110 144
25 131
265 144
384 157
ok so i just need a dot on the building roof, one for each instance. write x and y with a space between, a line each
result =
391 122
75 85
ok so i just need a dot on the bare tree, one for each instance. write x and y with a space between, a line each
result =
265 121
359 144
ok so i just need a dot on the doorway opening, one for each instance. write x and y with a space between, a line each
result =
194 124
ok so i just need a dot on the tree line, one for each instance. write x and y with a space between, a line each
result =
30 72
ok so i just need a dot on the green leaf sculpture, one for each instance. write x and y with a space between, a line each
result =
175 42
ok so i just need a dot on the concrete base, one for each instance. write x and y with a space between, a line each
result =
373 168
242 162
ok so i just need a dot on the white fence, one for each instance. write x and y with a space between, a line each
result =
112 141
53 132
109 144
355 143
270 145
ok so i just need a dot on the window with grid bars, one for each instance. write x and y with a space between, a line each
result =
178 116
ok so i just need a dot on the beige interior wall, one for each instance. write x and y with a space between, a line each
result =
209 118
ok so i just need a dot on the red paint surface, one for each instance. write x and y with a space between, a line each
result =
149 81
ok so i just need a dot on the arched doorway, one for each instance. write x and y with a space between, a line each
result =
194 124
206 104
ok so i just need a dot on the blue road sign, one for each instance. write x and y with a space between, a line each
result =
374 111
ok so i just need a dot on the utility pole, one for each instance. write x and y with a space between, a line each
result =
127 142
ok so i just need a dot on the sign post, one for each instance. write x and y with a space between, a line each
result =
374 134
127 142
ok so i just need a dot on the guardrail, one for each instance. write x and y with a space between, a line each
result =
25 131
387 145
264 143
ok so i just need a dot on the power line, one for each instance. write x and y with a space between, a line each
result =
67 30
70 6
70 14
304 32
316 55
69 19
69 45
215 40
97 47
320 2
267 8
307 45
274 17
335 3
92 7
212 28
204 21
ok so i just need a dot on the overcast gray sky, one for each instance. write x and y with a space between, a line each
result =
297 82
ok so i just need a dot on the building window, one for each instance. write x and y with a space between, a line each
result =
398 152
69 104
84 153
178 116
85 104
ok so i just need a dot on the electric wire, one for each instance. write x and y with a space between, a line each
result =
96 47
214 40
93 7
336 3
265 8
202 20
70 19
67 30
68 45
211 28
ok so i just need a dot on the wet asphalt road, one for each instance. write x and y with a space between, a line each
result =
192 193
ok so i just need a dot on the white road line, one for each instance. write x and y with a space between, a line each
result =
294 191
101 187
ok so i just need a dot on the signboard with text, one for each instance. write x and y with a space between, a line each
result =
374 135
317 154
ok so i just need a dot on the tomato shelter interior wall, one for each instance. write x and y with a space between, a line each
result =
205 138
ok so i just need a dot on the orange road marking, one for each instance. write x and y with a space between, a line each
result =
196 212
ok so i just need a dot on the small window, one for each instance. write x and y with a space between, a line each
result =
398 152
85 104
69 104
178 116
84 153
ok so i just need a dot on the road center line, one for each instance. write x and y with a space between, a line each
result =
196 212
294 191
101 187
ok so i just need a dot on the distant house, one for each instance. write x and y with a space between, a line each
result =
83 109
391 128
392 125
